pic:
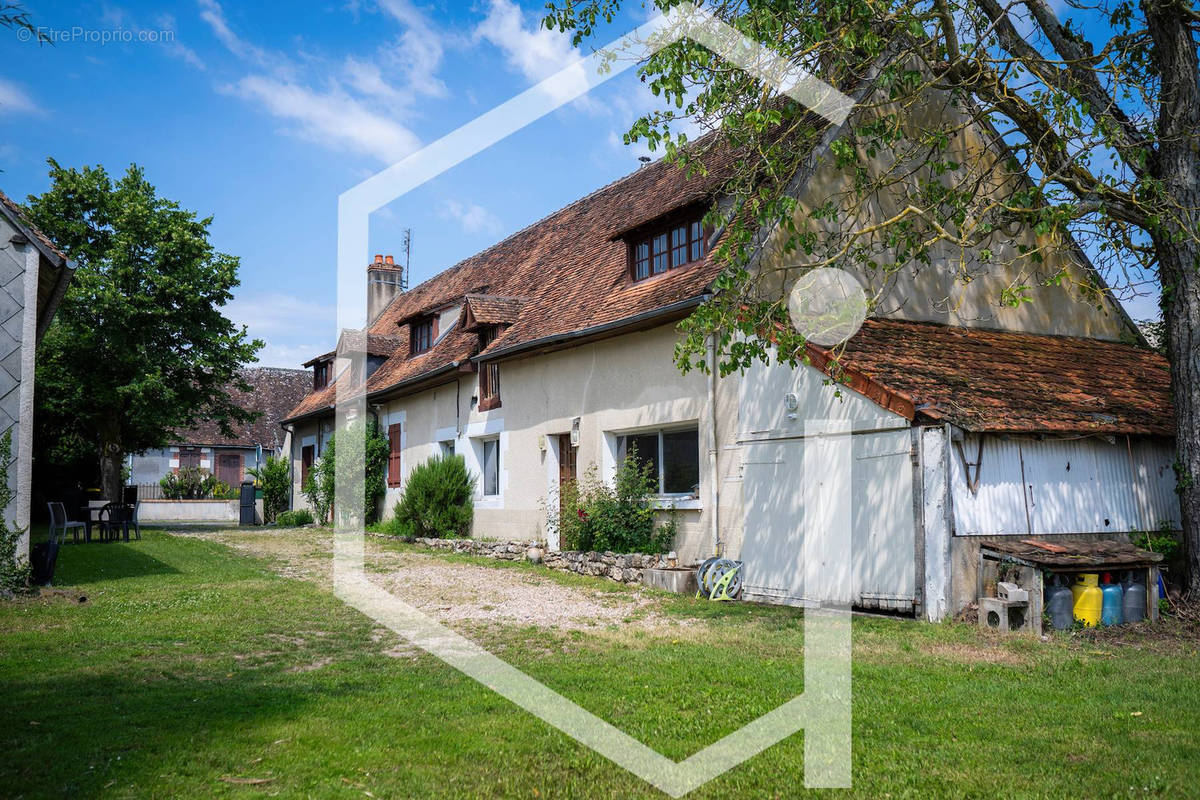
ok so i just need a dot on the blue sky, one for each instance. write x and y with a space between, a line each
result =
261 115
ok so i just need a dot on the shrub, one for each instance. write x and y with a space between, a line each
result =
273 478
318 492
374 449
294 519
190 483
437 501
620 518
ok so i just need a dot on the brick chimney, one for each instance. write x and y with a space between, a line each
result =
385 280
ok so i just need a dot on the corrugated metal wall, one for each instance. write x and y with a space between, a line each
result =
1090 485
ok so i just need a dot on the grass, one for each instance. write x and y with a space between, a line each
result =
193 670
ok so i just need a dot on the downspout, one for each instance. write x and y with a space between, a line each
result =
713 477
291 439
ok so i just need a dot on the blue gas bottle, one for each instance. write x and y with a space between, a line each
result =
1111 612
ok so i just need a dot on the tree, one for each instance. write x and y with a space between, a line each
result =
275 479
139 347
1092 126
368 447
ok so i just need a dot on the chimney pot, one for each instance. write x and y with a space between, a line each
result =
379 258
389 260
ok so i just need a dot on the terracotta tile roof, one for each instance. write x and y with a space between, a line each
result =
1006 382
567 269
275 391
492 309
17 216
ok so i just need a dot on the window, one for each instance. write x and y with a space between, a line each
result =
489 374
421 336
394 466
189 457
491 467
307 456
673 456
447 448
659 250
320 375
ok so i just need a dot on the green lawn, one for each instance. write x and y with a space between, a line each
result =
192 670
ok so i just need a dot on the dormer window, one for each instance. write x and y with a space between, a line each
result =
666 247
320 375
422 335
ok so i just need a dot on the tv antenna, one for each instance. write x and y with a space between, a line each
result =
407 259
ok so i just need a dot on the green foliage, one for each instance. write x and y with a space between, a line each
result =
438 501
367 446
139 347
620 518
294 519
274 478
192 483
14 568
319 494
1163 540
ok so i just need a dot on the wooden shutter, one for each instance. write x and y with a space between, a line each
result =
393 470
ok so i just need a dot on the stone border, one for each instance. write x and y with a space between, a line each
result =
620 567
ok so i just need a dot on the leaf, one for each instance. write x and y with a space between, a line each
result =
245 781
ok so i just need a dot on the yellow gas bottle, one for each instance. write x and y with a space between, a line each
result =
1089 598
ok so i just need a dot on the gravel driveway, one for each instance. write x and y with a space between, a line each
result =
456 593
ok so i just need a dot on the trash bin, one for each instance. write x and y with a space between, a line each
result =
43 557
247 516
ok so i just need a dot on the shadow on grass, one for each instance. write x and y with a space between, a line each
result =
107 561
137 730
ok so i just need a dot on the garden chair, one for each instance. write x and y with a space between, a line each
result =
60 523
114 518
130 497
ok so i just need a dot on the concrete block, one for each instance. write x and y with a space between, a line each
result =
1004 615
680 580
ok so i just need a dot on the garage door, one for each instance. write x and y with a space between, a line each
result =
787 559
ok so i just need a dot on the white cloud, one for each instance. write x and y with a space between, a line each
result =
354 104
13 99
212 13
330 117
532 50
291 326
474 218
419 50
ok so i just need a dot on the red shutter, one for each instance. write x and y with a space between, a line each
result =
393 472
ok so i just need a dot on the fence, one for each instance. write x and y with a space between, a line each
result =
150 491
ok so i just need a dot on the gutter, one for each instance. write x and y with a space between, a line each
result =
582 333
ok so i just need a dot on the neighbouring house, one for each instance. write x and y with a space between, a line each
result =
274 392
971 419
34 275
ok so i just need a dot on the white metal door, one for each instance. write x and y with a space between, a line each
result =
883 572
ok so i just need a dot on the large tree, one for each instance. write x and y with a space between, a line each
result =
1090 113
139 347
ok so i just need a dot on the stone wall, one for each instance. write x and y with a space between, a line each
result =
621 567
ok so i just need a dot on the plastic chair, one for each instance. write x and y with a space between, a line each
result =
60 523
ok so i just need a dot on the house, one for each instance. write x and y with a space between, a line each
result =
552 351
34 275
274 392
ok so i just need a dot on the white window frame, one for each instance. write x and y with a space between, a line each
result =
678 500
474 436
483 445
